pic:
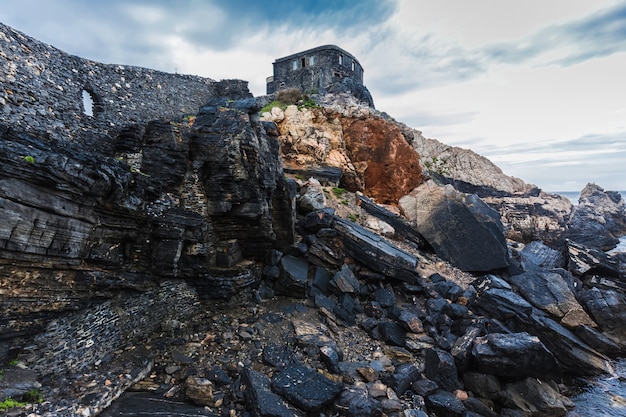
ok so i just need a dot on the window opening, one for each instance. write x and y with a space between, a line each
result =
312 61
353 65
340 59
294 65
303 62
87 103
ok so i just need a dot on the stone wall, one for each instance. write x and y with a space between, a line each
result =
325 69
42 89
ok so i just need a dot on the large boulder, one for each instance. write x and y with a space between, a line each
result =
515 355
461 228
608 308
599 219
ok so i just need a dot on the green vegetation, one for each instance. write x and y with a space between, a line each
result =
288 97
339 192
33 396
13 362
29 159
354 217
438 165
10 403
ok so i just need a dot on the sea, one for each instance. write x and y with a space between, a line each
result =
603 396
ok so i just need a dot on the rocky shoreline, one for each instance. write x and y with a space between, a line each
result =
314 259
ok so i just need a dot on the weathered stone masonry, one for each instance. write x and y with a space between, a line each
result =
42 88
325 69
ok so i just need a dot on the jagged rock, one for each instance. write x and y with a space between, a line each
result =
549 292
261 400
535 397
483 385
375 252
515 355
608 308
385 296
345 281
477 245
305 388
145 404
533 216
17 381
402 378
356 402
199 390
587 261
599 219
293 279
445 404
391 333
311 196
278 356
538 254
478 407
439 366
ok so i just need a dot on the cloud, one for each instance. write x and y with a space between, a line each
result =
597 35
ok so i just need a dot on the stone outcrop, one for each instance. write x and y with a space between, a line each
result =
599 219
371 151
460 227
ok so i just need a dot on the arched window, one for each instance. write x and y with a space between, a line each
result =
340 59
88 103
353 65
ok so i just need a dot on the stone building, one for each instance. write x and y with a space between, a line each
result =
325 69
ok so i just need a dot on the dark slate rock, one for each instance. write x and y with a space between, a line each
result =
385 296
305 388
15 382
330 358
261 400
373 309
478 408
278 356
608 308
345 281
440 367
322 301
424 387
321 280
455 311
375 252
402 378
538 254
355 402
583 260
145 404
392 333
318 219
293 280
482 385
407 319
597 340
549 292
462 348
516 355
461 228
445 404
346 316
599 218
218 376
535 397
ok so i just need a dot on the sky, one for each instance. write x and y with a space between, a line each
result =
536 86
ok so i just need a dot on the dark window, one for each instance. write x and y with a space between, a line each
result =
303 62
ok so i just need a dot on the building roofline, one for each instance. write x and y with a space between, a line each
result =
318 48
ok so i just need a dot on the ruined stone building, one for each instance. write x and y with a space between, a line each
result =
325 69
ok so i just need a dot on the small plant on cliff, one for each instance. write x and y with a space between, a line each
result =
339 192
438 166
29 159
10 403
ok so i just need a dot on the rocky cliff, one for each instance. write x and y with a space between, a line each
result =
243 264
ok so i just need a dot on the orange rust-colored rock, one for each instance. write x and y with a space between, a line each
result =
388 165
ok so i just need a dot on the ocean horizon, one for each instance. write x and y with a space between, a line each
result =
573 196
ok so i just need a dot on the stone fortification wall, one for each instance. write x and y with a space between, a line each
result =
42 89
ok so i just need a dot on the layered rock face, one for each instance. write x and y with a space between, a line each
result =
91 229
371 152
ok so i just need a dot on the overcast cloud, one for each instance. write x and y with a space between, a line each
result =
536 86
